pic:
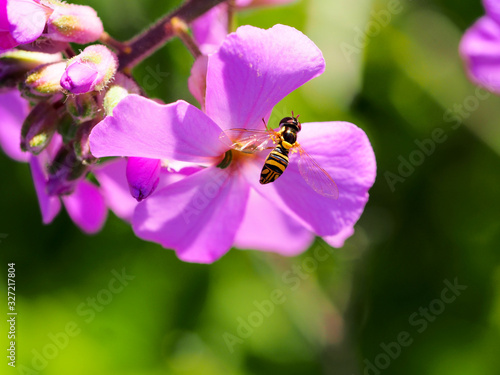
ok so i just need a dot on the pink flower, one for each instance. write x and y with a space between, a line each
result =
85 203
480 48
210 29
24 21
21 22
206 213
90 70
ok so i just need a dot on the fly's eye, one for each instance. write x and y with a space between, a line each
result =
299 125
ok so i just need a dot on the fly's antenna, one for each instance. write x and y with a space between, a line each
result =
264 121
295 117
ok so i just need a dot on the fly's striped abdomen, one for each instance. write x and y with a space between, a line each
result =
275 165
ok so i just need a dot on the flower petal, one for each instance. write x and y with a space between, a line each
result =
6 39
265 227
344 151
260 3
337 240
254 69
480 48
143 175
114 188
49 205
492 9
210 29
86 207
197 81
198 217
143 128
27 19
13 111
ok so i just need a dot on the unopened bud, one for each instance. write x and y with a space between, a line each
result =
82 107
38 128
91 70
15 64
65 169
73 23
121 87
143 176
43 81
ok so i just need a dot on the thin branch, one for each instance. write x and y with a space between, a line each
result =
152 39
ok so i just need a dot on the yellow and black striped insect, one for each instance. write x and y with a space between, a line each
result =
282 142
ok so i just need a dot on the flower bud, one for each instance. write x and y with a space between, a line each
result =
65 169
90 70
119 89
15 64
82 107
38 128
143 176
73 23
43 81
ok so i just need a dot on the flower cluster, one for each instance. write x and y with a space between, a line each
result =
61 97
170 173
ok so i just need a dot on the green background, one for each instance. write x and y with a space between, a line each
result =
440 222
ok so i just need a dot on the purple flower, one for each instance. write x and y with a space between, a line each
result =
21 22
91 70
86 204
143 176
24 21
480 48
13 111
210 29
204 214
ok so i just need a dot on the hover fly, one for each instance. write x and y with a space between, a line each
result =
281 142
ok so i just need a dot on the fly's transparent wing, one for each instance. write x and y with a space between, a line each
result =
248 141
315 176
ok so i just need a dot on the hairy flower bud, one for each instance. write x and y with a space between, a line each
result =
143 176
43 81
119 89
73 23
91 70
15 64
38 128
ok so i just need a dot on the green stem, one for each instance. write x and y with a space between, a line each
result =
152 39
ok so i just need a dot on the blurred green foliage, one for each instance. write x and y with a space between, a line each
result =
442 222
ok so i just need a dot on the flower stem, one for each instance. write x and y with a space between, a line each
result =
152 39
231 10
117 45
181 31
